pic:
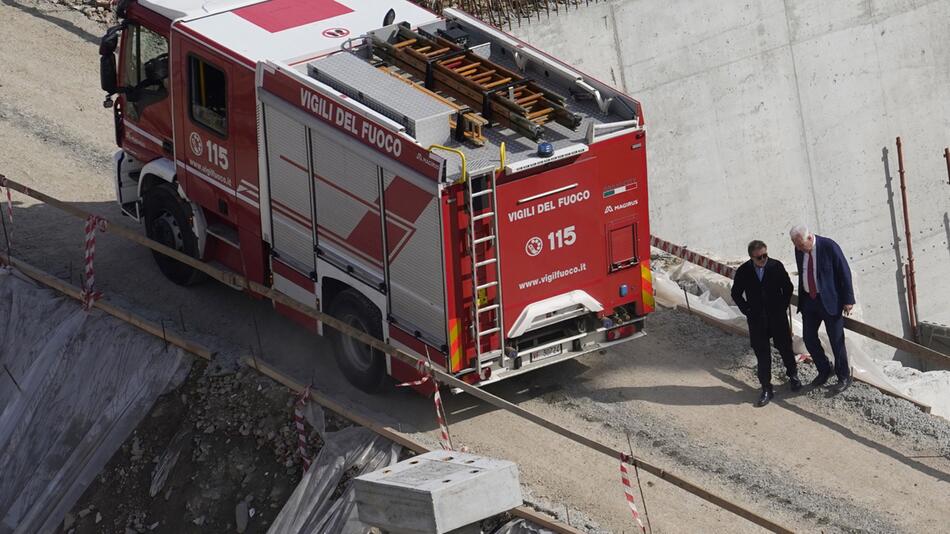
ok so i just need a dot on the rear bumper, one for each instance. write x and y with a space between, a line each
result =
549 353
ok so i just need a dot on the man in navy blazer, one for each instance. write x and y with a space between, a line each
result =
824 292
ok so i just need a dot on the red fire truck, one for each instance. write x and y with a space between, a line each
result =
425 178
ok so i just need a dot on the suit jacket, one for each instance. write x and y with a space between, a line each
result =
834 276
770 297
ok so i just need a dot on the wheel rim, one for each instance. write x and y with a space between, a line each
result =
358 353
166 231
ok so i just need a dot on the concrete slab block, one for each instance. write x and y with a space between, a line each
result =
437 492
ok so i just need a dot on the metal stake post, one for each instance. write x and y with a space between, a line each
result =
911 279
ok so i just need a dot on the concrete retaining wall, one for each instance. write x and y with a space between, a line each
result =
765 113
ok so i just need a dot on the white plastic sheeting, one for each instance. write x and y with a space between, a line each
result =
316 506
73 386
931 388
521 526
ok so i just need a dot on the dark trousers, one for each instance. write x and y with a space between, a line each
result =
813 314
761 330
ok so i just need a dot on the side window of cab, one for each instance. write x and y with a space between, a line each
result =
146 69
208 95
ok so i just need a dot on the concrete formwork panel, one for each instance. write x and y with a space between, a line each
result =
768 113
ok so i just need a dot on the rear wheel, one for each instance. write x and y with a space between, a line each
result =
362 365
167 221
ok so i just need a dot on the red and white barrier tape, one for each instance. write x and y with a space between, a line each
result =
3 182
682 252
89 294
444 438
301 429
425 369
628 490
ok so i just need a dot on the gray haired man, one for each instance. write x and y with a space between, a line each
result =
824 292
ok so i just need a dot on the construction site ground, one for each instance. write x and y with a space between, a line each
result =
856 462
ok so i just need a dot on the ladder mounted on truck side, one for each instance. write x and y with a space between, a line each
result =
487 311
500 95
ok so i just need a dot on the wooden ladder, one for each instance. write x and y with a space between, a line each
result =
501 96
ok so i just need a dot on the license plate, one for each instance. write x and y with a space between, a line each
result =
548 352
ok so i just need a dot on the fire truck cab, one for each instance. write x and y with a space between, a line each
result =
428 179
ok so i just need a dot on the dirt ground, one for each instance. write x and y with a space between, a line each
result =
856 462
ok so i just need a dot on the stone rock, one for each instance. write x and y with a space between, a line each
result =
137 450
241 516
68 521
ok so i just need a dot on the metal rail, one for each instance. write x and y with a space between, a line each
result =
242 282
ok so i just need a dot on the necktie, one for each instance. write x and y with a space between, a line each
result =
812 290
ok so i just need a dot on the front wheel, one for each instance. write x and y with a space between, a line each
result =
363 366
166 221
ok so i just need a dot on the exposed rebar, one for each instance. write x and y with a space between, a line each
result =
506 13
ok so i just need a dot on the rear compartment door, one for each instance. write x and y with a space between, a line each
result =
414 257
551 234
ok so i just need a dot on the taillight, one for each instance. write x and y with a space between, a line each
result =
470 378
621 332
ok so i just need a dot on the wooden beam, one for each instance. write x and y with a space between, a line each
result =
134 319
897 342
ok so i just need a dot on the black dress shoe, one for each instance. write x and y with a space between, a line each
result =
766 396
820 380
794 383
843 384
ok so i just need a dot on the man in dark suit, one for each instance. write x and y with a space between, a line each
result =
824 292
762 290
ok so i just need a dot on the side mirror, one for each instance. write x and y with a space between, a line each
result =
110 41
108 78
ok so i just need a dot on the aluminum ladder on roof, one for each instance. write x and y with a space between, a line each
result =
487 312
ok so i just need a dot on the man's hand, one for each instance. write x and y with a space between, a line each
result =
847 309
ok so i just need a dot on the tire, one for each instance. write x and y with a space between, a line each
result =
166 221
362 366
